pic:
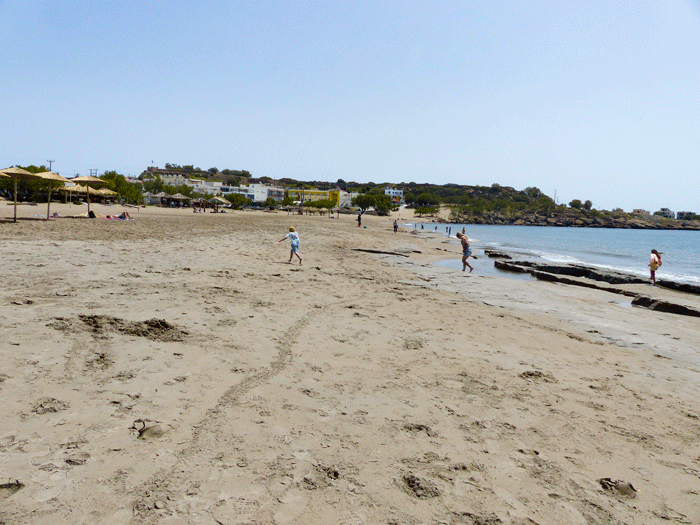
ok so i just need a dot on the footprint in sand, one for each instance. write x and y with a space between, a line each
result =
8 489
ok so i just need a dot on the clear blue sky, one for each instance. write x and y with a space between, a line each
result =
595 99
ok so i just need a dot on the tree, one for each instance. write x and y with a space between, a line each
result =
587 205
426 210
576 204
382 203
271 203
287 201
154 185
237 200
363 201
533 192
427 199
126 190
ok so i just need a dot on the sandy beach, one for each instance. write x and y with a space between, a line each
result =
175 369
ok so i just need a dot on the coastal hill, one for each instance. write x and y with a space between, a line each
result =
493 204
505 205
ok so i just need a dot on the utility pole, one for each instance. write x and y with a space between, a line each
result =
50 162
95 170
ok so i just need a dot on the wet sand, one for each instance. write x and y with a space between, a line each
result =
175 369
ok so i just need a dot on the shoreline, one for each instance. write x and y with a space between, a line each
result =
175 369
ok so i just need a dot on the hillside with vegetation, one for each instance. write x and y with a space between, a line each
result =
498 204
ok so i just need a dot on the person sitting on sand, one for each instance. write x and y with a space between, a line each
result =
466 251
654 264
293 236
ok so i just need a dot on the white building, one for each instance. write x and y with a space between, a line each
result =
345 198
173 179
395 194
259 192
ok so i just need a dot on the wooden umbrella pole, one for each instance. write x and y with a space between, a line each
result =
88 198
48 204
15 200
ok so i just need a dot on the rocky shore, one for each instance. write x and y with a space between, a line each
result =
588 277
576 219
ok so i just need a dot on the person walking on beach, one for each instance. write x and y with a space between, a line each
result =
293 236
396 226
654 264
466 251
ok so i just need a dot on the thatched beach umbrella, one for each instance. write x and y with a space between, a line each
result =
16 174
90 182
53 178
216 201
105 192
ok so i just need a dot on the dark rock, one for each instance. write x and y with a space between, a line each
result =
664 306
495 254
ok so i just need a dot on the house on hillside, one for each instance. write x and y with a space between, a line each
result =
395 194
665 212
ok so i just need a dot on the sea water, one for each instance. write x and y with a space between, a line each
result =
615 249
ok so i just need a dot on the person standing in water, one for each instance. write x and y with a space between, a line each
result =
466 251
293 236
654 264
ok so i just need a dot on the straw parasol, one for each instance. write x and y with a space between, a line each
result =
16 174
180 197
76 188
90 182
216 201
54 177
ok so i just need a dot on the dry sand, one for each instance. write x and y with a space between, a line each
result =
174 369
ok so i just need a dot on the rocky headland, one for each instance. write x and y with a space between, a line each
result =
575 219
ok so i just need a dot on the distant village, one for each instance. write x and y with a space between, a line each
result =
259 193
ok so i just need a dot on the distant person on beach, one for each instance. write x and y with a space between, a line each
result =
466 252
293 236
396 226
654 264
464 231
359 220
